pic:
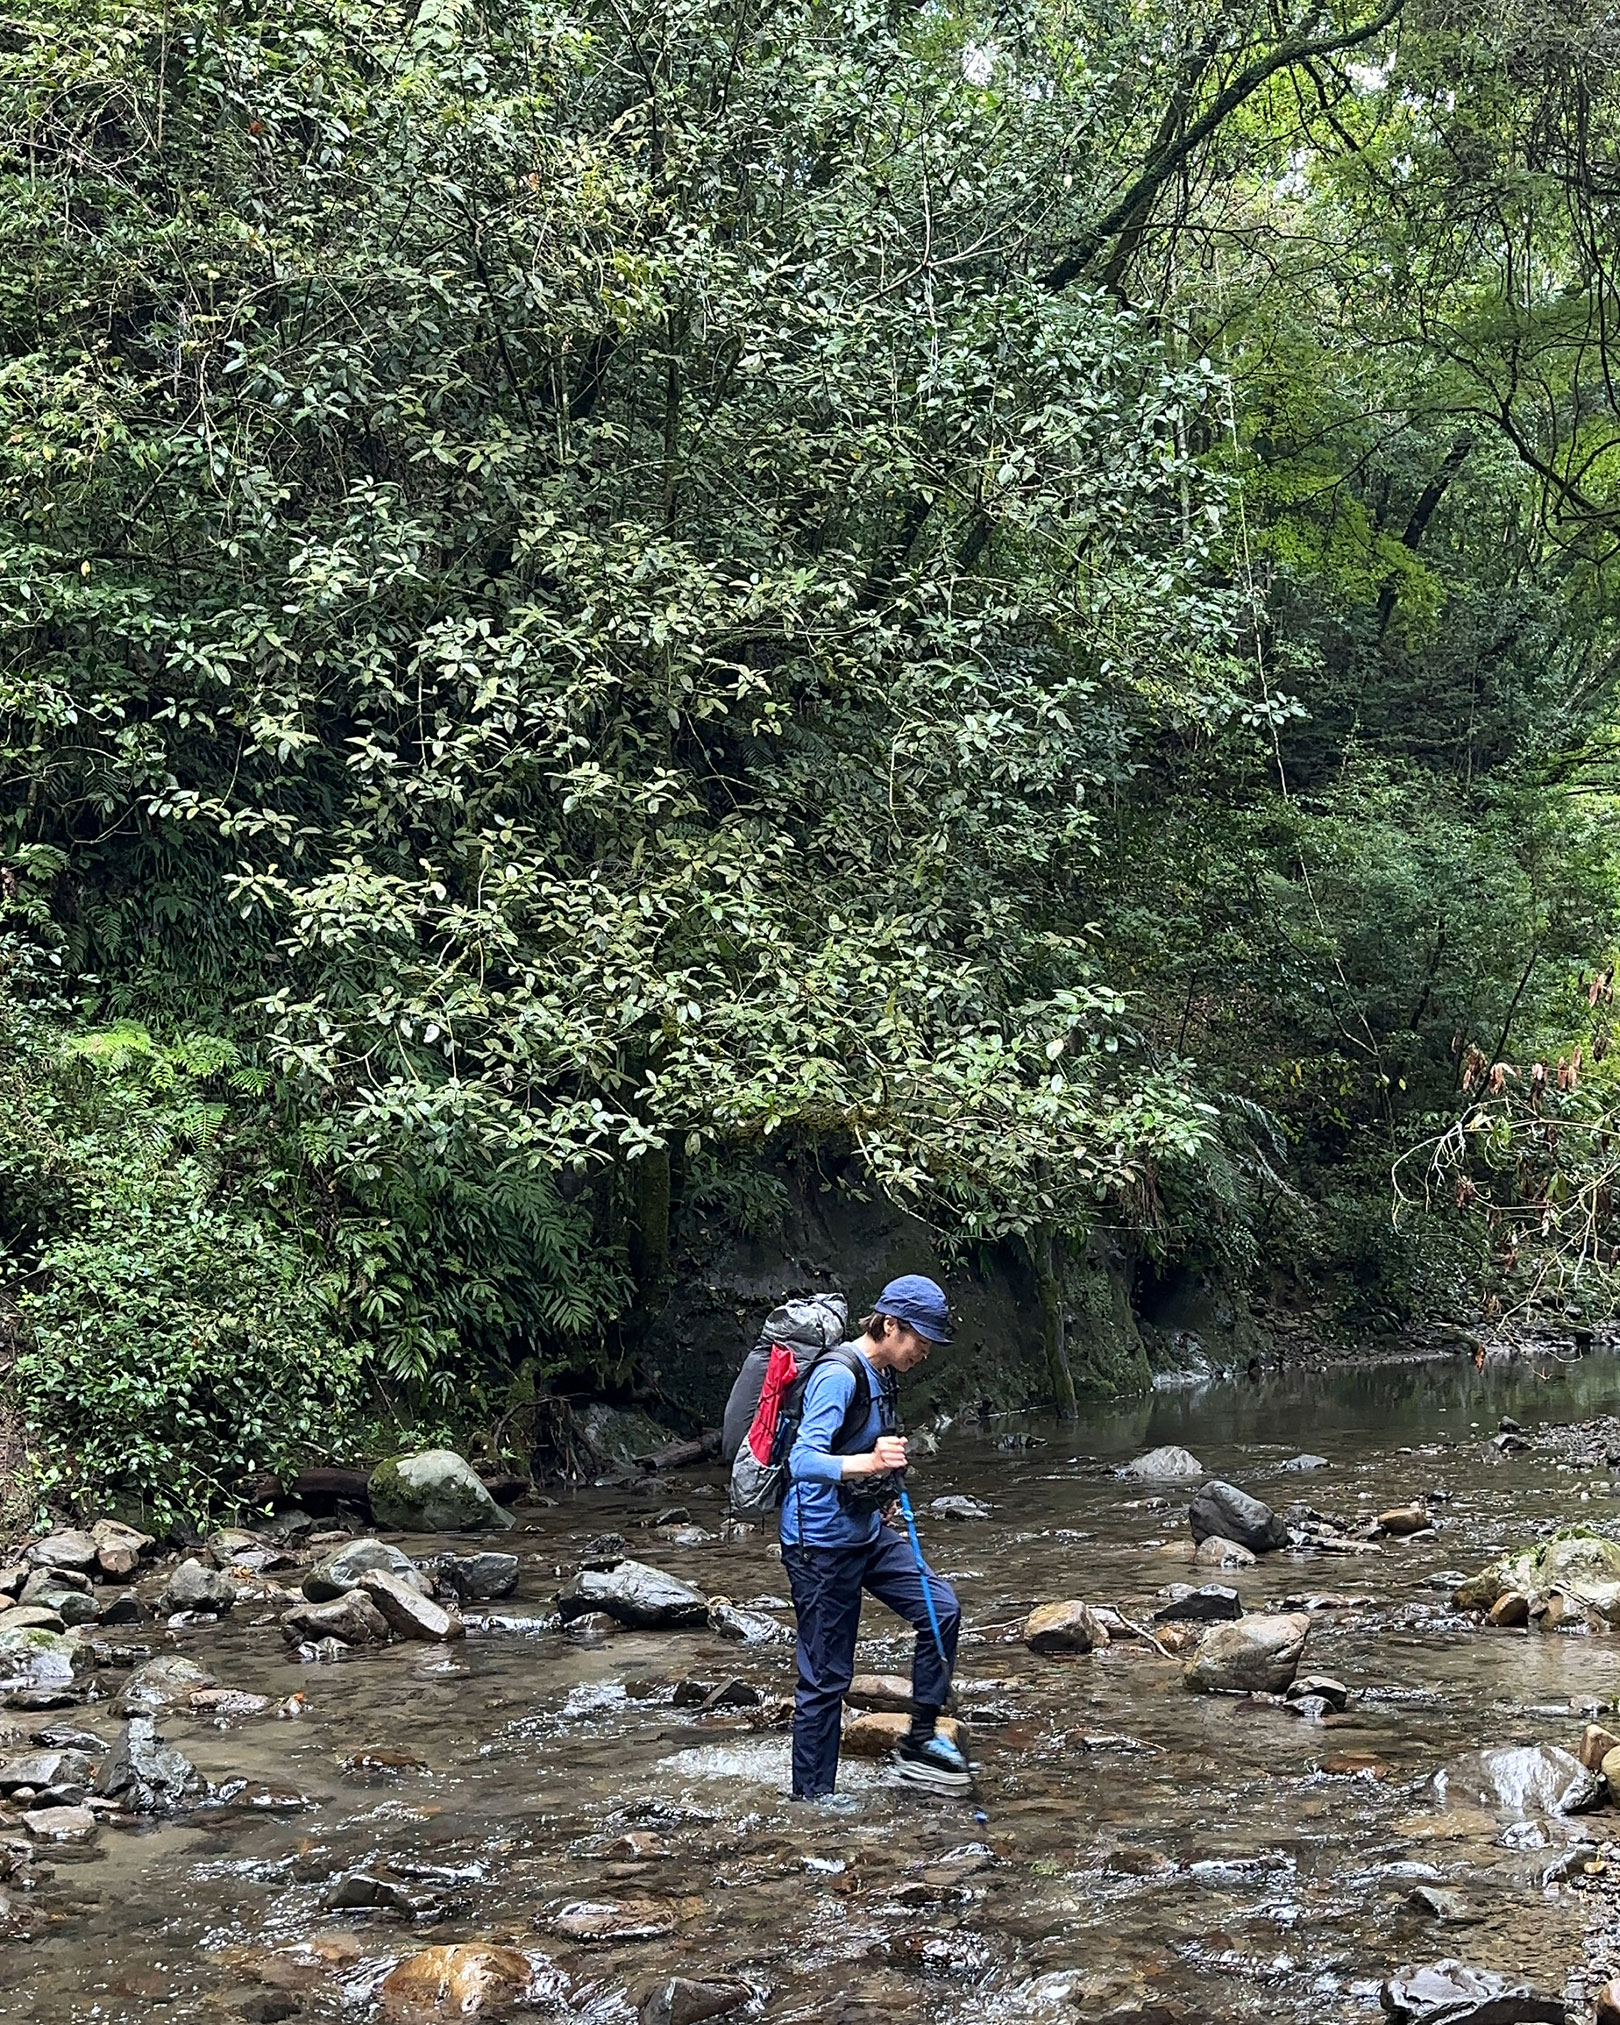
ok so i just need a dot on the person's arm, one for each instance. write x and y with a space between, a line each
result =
826 1401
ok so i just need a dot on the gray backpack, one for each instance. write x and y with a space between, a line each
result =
762 1415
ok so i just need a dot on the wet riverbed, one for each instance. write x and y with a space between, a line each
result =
1147 1848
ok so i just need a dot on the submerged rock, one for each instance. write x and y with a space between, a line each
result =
963 1510
1064 1627
679 2000
633 1593
470 1980
1222 1511
145 1774
408 1612
339 1570
1165 1465
1214 1552
1522 1779
435 1491
1258 1654
167 1682
874 1733
1450 1993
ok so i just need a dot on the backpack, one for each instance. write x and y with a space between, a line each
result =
767 1401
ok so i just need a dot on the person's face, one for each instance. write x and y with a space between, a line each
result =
906 1348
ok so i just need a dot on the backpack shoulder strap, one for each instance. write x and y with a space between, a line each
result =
860 1405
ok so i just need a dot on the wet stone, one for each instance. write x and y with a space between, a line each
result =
1319 1687
1596 1744
745 1627
1164 1466
1450 1993
167 1682
681 2000
147 1775
1256 1654
351 1619
469 1980
193 1586
1445 1904
408 1613
67 1549
360 1891
339 1570
635 1594
70 1826
433 1491
1218 1553
963 1511
42 1769
1213 1603
631 1919
1522 1779
1064 1628
480 1578
1223 1511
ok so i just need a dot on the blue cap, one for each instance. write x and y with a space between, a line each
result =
920 1303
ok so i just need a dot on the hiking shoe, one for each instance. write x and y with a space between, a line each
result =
936 1766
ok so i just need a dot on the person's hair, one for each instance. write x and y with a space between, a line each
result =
875 1325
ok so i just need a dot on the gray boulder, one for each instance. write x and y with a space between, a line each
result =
43 1771
195 1587
1522 1779
480 1578
745 1627
1222 1511
165 1683
1450 1993
1255 1655
435 1491
38 1667
635 1594
339 1570
408 1612
1214 1603
67 1549
1165 1465
352 1619
147 1775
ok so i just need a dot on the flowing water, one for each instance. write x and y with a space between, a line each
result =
1147 1848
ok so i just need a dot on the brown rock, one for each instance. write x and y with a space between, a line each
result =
1405 1519
353 1619
1610 1768
1215 1552
1596 1744
1064 1627
72 1825
624 1919
1251 1655
474 1980
119 1548
890 1691
1608 2003
679 2000
1511 1609
875 1733
409 1614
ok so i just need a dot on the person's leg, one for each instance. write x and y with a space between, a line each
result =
891 1576
826 1586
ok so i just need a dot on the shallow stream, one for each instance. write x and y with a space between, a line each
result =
1150 1853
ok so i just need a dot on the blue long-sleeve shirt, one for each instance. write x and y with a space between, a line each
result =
812 1515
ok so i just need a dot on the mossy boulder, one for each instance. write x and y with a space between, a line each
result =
1582 1563
435 1491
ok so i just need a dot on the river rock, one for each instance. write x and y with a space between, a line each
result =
627 1919
194 1587
40 1769
35 1617
360 1891
962 1510
1319 1687
68 1549
1510 1610
1583 1563
339 1569
1222 1511
1607 2011
1521 1779
1298 1464
633 1593
1256 1655
480 1578
38 1666
888 1691
470 1980
12 1577
1404 1519
167 1682
352 1619
147 1775
745 1627
1450 1993
223 1705
435 1491
1214 1603
71 1826
70 1606
1064 1627
1166 1465
874 1733
409 1613
123 1607
679 2000
1596 1744
1214 1552
119 1548
46 1581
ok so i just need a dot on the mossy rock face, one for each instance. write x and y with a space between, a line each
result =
434 1491
1584 1563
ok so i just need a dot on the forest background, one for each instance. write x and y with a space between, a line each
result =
610 611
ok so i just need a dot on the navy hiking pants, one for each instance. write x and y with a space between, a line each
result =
827 1585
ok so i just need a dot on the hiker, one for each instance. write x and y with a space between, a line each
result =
842 1470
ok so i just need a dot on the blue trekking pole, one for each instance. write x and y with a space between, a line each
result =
910 1517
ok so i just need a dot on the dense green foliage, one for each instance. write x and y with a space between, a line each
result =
592 602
